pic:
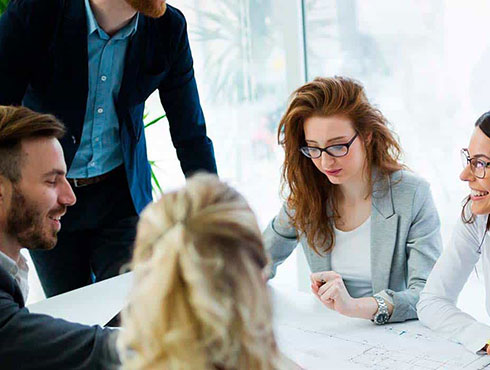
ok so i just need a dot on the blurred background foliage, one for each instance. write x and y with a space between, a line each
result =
3 5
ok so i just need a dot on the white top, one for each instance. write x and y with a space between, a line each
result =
351 258
19 270
437 305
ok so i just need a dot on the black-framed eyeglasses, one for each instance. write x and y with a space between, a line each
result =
477 165
336 150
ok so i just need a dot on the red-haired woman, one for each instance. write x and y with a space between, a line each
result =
368 227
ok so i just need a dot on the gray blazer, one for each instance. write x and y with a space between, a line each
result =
405 241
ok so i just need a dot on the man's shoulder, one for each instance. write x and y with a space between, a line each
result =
173 19
175 14
9 288
36 8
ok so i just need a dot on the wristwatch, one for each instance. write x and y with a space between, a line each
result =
381 316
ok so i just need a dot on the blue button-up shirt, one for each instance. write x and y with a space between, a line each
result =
100 147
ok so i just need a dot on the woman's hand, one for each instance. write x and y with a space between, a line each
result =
486 349
330 289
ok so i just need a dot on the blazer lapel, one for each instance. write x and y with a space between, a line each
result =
132 63
72 50
135 53
384 228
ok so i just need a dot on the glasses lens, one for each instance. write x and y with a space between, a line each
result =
311 152
337 150
464 158
478 168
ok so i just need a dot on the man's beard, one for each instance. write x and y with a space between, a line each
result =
25 223
148 7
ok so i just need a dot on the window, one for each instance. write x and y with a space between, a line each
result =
240 50
424 64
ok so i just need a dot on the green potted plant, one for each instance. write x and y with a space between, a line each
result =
157 189
3 5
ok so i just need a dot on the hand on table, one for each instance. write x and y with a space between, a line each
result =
330 289
485 350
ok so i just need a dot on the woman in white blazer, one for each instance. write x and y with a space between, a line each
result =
470 243
369 228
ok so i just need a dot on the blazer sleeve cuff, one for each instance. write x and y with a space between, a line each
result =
403 309
385 296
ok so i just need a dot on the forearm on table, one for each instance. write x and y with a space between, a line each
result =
444 317
366 307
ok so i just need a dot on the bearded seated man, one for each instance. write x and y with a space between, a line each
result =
34 195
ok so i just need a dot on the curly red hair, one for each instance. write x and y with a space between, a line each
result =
310 194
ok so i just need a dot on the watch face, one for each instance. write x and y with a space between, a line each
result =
382 318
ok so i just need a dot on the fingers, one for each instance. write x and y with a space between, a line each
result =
326 286
322 277
329 302
329 296
314 290
336 283
328 291
265 275
313 281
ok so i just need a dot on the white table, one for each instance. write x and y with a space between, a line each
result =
95 304
318 338
307 332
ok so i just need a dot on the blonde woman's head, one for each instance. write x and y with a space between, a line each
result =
199 301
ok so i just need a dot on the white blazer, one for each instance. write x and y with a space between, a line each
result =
437 305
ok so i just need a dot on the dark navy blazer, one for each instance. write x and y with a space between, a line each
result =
44 66
33 341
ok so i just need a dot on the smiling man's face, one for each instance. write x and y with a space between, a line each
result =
41 197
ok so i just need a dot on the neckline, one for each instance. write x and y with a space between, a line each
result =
353 230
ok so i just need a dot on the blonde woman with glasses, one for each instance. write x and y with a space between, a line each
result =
199 300
470 243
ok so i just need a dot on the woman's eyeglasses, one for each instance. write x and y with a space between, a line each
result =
336 150
477 165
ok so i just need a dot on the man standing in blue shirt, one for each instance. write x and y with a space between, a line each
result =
93 65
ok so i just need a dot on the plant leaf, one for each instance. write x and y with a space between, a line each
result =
155 121
155 180
3 5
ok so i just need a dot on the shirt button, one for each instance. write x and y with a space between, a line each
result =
96 139
91 164
100 110
103 78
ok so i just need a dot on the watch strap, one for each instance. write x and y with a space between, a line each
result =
382 314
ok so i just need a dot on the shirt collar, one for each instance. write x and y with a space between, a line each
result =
8 264
91 21
93 26
19 271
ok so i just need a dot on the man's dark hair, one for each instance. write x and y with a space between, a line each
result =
17 124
